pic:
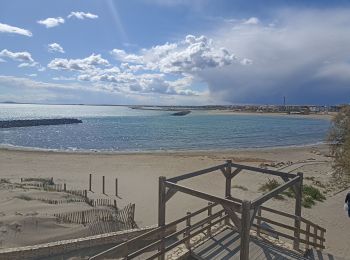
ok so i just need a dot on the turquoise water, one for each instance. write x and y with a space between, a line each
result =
111 128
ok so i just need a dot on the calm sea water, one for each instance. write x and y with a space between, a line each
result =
109 128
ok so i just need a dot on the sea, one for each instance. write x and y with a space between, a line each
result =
123 129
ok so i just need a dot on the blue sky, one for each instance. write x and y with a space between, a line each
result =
175 52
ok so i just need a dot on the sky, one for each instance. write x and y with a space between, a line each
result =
175 52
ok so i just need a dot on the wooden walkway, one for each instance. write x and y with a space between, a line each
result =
226 245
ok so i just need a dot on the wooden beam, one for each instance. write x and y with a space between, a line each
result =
257 202
233 216
197 173
161 213
169 194
235 172
245 228
203 195
266 171
298 200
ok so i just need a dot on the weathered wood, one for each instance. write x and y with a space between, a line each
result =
233 216
244 230
274 192
90 182
298 200
203 195
170 193
103 185
210 212
116 187
307 235
258 221
161 214
197 173
187 233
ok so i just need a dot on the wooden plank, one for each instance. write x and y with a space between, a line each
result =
274 192
161 213
169 194
298 200
245 228
197 173
203 195
233 216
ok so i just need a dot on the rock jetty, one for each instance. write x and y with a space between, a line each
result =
38 122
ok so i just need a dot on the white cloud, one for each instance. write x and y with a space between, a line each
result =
51 22
5 28
55 47
121 55
188 56
252 21
17 56
78 64
26 64
82 15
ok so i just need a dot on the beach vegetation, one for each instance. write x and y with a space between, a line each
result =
24 197
339 139
4 180
241 187
310 195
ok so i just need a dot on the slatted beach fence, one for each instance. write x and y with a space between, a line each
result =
124 217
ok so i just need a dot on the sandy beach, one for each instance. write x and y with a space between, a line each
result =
138 175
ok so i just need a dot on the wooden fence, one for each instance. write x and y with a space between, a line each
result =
124 217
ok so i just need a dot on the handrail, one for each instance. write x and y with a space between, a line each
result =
318 240
207 221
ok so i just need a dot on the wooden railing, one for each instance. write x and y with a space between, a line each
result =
308 234
171 235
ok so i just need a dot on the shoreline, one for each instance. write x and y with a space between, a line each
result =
328 116
6 147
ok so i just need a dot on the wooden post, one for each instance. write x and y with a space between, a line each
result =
90 182
210 212
245 228
187 233
228 180
259 221
115 204
103 185
64 187
228 186
85 193
116 187
298 200
161 214
307 236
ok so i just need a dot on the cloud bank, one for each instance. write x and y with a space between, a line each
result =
302 55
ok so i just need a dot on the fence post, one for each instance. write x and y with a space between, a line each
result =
65 187
161 215
103 184
90 182
116 187
210 212
307 235
259 221
245 228
187 232
298 199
